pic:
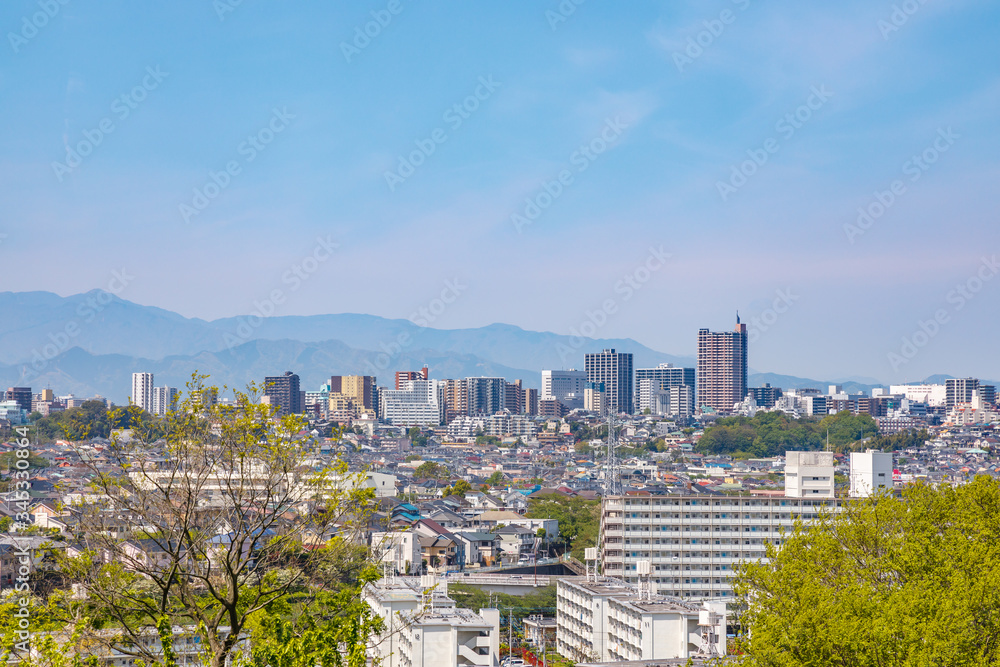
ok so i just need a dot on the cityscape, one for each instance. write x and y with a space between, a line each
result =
558 334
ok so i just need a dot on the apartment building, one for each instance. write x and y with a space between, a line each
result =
695 541
424 628
650 381
142 391
614 369
722 367
417 403
871 472
606 620
283 392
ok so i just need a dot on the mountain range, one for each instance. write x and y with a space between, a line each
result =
91 343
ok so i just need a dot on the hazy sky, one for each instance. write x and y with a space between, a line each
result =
422 149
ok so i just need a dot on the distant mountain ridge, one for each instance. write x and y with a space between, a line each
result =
91 343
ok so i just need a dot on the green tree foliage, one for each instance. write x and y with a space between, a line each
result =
459 488
496 479
536 602
774 433
579 519
253 564
90 420
900 441
431 470
417 437
487 440
893 581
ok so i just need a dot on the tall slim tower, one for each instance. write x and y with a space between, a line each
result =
142 391
614 369
722 367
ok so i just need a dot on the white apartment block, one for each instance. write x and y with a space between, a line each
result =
565 386
608 621
871 471
164 400
424 628
696 541
809 474
418 403
142 391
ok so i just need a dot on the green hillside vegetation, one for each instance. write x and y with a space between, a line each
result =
774 433
91 420
579 519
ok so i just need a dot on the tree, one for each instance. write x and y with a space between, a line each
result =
227 531
579 519
460 488
889 581
430 470
496 479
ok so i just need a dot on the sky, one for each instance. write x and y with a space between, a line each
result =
828 170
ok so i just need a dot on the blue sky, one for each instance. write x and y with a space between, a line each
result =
662 121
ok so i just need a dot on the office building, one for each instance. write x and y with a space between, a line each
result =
614 370
871 472
959 390
931 394
564 386
722 368
282 392
418 403
697 541
142 391
809 474
650 380
604 620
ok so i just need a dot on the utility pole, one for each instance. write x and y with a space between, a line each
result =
510 631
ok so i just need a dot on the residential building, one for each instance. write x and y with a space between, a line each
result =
809 474
142 391
648 381
722 368
676 402
614 369
871 472
595 399
696 541
959 390
283 392
164 400
530 401
21 396
567 387
417 403
606 620
406 376
765 396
